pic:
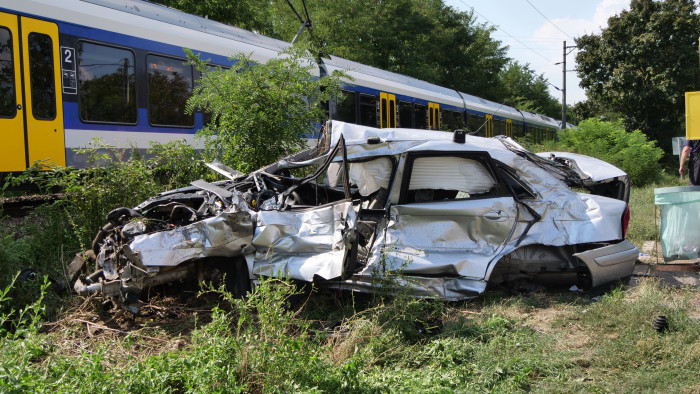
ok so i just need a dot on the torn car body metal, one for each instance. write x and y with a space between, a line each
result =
451 216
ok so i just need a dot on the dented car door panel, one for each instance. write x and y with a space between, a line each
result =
454 238
454 215
304 244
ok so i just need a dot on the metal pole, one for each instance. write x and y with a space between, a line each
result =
563 89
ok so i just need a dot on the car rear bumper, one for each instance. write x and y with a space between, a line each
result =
611 262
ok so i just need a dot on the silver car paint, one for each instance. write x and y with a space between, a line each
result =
446 249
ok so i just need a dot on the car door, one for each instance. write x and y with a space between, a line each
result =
453 217
304 243
31 114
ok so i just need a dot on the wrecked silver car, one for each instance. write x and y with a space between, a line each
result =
452 213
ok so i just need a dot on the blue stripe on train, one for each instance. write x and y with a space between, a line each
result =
71 120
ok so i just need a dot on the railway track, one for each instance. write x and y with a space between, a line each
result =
18 206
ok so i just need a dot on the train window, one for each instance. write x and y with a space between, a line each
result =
405 115
447 122
383 119
345 107
8 100
499 127
421 113
458 119
169 86
106 83
476 123
517 130
41 76
368 110
430 118
537 134
392 113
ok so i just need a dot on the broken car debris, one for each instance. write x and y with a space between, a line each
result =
451 213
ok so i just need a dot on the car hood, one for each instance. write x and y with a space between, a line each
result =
597 176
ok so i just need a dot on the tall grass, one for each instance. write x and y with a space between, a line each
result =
497 344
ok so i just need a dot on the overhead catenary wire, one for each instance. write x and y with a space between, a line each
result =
505 32
552 23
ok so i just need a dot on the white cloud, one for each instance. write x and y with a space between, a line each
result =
576 27
605 10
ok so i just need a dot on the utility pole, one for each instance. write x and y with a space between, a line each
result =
563 88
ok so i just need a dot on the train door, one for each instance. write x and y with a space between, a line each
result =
387 110
509 128
489 125
31 115
434 116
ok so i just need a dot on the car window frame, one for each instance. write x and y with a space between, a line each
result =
500 190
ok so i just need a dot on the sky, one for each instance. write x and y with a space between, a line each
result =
534 31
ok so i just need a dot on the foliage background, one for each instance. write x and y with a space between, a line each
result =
261 112
637 69
608 141
641 65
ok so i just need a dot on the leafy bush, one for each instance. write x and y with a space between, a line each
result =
260 111
115 178
176 164
608 141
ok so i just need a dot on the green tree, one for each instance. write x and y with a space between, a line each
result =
641 65
424 39
526 90
261 111
247 14
594 109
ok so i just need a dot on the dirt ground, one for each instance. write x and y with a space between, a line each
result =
652 264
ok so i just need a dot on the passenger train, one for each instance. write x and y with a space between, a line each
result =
74 70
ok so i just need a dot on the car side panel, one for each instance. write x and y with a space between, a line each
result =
304 243
453 238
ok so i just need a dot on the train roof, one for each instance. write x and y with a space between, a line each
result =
172 16
246 42
400 83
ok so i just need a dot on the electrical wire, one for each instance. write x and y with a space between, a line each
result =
506 33
552 23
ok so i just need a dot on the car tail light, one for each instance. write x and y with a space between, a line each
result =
625 221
